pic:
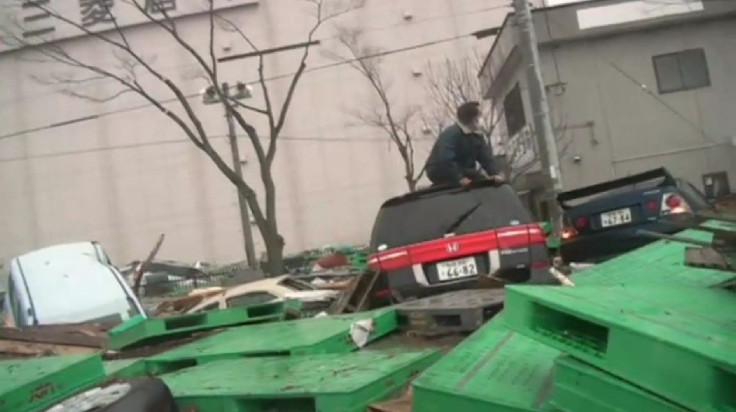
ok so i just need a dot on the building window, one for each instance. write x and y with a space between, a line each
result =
685 70
513 111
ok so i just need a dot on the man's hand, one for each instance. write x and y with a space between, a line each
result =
465 182
498 179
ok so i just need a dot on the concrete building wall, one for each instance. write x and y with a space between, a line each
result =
603 90
635 129
127 173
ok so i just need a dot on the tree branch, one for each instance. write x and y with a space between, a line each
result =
397 129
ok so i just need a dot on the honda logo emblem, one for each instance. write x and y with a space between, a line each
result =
453 247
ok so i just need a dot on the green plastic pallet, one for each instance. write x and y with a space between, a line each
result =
30 385
580 387
140 331
678 342
125 368
324 383
660 262
494 370
298 337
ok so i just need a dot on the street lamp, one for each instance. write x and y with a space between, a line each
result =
210 96
242 91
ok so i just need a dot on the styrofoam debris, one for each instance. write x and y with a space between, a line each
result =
360 331
564 280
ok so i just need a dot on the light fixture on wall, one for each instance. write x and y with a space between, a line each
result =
416 73
408 16
577 159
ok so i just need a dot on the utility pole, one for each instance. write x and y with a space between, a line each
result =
546 143
210 97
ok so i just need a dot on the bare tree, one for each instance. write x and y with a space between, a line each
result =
398 124
452 82
129 64
521 153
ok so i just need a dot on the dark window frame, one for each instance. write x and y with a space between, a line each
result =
515 117
683 87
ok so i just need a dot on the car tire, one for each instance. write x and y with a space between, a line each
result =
135 395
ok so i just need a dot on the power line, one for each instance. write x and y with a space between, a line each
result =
277 77
183 141
661 101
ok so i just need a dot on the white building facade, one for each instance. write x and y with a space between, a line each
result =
118 171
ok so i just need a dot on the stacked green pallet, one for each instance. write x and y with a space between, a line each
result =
495 369
32 385
581 387
125 368
304 365
674 342
642 332
141 331
309 383
330 334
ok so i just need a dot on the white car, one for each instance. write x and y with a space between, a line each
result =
270 290
67 284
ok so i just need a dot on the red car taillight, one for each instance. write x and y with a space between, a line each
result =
581 222
390 259
673 201
674 204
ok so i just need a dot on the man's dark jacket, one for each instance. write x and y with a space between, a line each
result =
455 154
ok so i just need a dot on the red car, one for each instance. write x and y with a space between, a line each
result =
443 238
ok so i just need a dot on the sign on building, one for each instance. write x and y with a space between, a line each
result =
36 21
96 11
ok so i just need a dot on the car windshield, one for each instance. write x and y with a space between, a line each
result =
76 289
430 216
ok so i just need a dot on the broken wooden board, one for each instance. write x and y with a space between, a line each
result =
706 257
14 349
358 294
184 303
85 335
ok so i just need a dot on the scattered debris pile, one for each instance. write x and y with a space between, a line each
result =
557 348
48 340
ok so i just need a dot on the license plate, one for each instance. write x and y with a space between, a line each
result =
616 217
456 269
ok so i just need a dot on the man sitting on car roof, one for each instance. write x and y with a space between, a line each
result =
459 148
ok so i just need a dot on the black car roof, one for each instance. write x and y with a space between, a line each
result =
436 190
